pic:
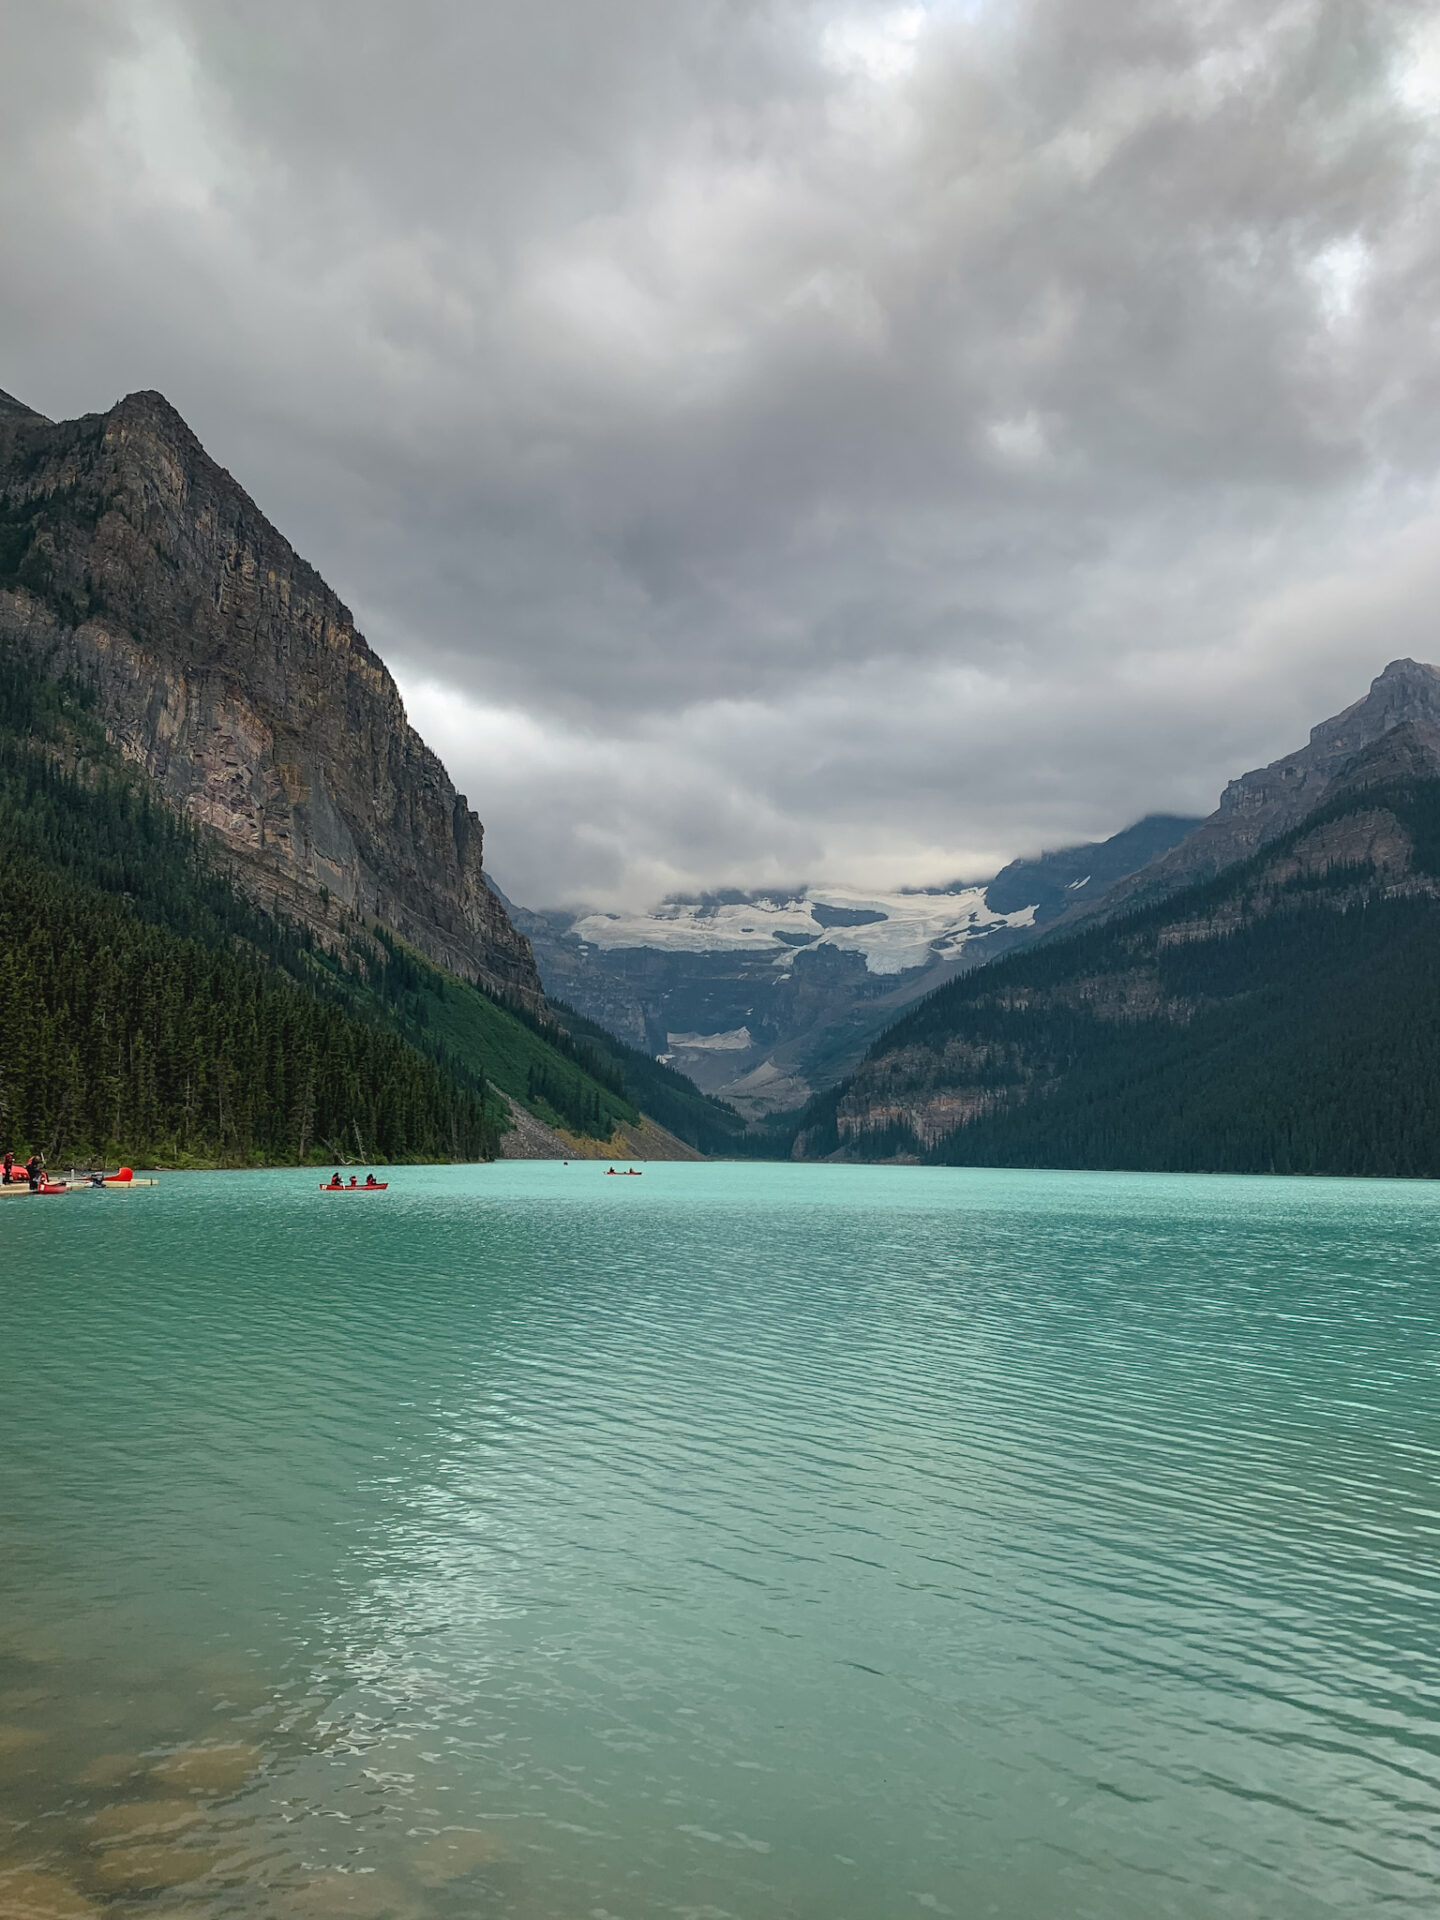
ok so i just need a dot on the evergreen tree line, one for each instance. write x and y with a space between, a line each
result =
1312 1044
69 803
569 1099
122 1039
571 1084
670 1098
148 1011
585 1055
1324 1059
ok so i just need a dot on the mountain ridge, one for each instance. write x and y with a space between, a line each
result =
229 670
10 405
1282 1014
1258 806
165 652
763 997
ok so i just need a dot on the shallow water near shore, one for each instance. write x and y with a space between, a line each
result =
742 1540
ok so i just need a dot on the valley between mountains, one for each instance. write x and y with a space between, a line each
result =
1257 991
245 917
762 998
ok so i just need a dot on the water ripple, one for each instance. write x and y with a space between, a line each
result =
769 1540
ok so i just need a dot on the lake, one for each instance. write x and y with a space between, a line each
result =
766 1541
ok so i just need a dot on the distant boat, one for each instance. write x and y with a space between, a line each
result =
622 1173
372 1186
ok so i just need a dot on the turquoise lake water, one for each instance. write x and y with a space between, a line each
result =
761 1541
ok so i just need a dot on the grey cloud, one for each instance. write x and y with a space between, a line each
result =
828 433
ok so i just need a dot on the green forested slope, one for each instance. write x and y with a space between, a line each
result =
1284 1017
1323 1057
667 1096
149 1011
567 1070
535 1061
121 1040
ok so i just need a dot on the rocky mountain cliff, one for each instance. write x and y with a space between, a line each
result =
1282 1015
1259 806
224 665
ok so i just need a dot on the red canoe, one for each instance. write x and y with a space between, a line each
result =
379 1187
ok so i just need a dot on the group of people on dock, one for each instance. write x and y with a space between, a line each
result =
33 1171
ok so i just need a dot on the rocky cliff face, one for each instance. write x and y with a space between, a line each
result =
1216 958
226 667
1259 806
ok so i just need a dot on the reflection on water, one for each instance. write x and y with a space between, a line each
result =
762 1541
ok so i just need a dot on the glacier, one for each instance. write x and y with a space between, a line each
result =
908 930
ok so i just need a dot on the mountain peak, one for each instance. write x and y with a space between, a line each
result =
1269 800
1414 671
225 666
1406 690
152 407
10 405
1261 804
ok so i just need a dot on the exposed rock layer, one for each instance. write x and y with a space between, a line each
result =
1261 805
1009 1038
226 667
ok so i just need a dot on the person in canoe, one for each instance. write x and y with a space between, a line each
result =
371 1181
352 1180
335 1180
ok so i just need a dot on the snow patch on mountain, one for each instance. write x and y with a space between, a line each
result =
900 930
737 1040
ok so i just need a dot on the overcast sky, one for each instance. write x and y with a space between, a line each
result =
778 441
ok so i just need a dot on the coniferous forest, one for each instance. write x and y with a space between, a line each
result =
1283 1017
148 1011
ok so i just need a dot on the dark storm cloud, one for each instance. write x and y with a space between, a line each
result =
778 440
